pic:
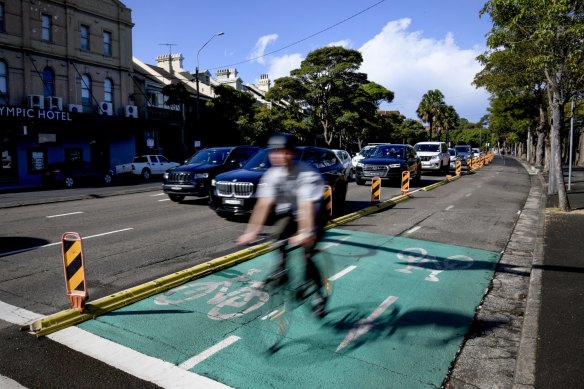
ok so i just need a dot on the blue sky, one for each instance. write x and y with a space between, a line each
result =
409 46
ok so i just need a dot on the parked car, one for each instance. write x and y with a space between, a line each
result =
345 159
363 153
388 162
434 156
464 152
194 177
146 166
72 174
476 152
453 158
234 192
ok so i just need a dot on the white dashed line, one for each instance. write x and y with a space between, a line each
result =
194 361
65 214
412 230
163 200
342 273
449 207
157 194
56 243
468 195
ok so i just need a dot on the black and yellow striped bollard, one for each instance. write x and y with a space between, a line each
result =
375 190
405 182
328 199
469 166
458 167
74 269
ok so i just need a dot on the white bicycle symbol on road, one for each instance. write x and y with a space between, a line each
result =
417 257
227 305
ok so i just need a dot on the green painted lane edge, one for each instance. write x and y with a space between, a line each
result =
70 317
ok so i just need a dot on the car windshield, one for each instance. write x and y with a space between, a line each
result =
389 152
367 150
464 149
452 152
259 161
210 156
427 147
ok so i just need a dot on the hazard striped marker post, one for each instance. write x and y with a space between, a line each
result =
469 166
328 199
405 185
458 167
375 190
74 269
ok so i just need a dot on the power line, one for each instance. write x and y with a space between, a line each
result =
303 39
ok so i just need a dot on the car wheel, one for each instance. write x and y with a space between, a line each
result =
69 182
107 179
146 174
176 198
359 181
418 178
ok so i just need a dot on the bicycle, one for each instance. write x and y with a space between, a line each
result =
287 293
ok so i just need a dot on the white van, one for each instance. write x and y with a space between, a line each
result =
434 156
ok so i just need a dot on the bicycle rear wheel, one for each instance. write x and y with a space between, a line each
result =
277 314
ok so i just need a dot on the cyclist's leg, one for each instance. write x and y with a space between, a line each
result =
312 271
285 227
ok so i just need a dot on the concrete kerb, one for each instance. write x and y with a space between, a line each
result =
70 317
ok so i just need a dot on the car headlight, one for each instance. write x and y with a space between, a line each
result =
395 165
359 164
201 175
434 158
165 176
213 182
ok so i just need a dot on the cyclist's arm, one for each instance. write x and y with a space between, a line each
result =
257 220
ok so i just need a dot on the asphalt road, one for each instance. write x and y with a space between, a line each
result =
136 237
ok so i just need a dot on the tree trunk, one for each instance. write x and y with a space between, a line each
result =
580 150
557 122
540 150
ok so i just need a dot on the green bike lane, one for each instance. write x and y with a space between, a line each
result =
398 314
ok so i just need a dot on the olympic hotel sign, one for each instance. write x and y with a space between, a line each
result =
30 113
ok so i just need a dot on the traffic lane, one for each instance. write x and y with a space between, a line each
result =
479 210
392 322
166 238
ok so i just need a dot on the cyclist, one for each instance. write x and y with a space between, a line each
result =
295 190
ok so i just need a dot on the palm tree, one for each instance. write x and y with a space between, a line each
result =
431 108
449 120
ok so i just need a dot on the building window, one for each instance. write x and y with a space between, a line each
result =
2 26
107 43
3 79
85 90
48 82
84 37
108 87
47 24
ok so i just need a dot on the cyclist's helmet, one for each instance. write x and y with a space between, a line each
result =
282 141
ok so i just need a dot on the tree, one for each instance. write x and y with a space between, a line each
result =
430 110
177 94
330 77
555 31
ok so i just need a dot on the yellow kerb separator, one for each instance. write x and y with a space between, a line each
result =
328 199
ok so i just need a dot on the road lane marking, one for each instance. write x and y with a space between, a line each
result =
468 194
161 373
412 230
56 243
342 273
8 383
364 325
65 214
449 207
157 194
194 361
164 200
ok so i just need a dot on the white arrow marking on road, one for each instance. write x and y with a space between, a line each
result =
364 325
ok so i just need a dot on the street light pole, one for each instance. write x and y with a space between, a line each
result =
197 79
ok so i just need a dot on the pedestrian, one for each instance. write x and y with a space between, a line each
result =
294 190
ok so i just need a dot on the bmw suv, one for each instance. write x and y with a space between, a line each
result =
234 193
194 177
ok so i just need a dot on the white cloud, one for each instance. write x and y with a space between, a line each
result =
410 65
281 66
346 43
260 47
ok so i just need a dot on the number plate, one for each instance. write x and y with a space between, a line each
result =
370 174
233 201
175 188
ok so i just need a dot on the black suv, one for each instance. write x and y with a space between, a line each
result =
388 162
234 192
194 177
